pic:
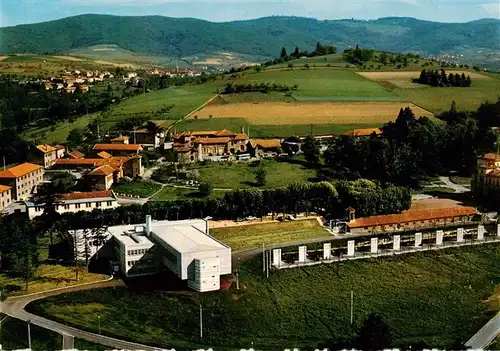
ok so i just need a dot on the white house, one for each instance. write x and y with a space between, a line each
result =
75 202
184 247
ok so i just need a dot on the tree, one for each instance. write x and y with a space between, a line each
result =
311 150
283 53
296 53
374 334
260 176
75 138
306 66
290 65
205 189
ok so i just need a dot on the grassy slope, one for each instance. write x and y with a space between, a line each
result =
14 336
253 236
423 297
242 175
137 188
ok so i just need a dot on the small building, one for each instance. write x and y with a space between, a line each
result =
60 151
486 179
75 154
118 149
23 179
75 202
264 147
120 140
411 219
104 154
103 177
184 247
70 90
5 196
84 88
148 138
45 155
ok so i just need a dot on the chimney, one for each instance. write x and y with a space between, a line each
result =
242 130
148 225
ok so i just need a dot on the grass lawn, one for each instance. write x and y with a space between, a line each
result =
49 277
461 180
423 297
137 188
242 175
14 336
321 83
246 237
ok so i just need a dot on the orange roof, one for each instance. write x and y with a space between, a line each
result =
241 136
117 147
121 138
491 156
104 154
4 188
88 195
212 141
363 132
45 148
20 170
103 171
201 133
412 216
76 154
78 161
267 143
225 132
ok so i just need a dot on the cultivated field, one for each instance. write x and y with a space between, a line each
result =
254 235
278 113
414 74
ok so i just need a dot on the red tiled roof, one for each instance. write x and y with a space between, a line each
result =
121 138
76 154
20 170
201 133
226 133
45 148
491 156
212 141
241 136
117 147
364 132
104 170
4 188
412 216
266 143
78 161
87 195
104 154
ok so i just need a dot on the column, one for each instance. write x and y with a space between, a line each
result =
498 229
302 253
480 232
439 237
350 248
374 245
418 239
396 245
276 257
327 251
460 235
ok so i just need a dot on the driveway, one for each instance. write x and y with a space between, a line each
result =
14 307
486 334
457 187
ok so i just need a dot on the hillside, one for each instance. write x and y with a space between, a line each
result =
263 37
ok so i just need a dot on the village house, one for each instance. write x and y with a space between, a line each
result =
264 147
5 196
412 219
487 176
120 140
23 179
196 146
45 155
148 138
70 90
75 154
60 151
84 88
75 202
118 149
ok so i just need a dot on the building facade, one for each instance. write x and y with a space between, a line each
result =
118 149
45 155
486 178
23 179
75 202
5 196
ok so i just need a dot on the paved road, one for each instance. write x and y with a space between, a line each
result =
486 334
457 187
15 308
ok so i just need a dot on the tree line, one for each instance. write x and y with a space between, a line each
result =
440 79
320 50
265 87
357 56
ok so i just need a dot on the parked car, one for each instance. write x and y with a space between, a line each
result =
251 218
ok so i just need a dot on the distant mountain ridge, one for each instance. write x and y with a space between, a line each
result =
265 36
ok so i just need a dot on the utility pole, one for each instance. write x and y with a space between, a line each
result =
76 258
201 322
98 135
99 323
352 305
29 336
4 163
263 258
267 263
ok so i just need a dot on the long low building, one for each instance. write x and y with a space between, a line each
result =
412 219
75 202
184 247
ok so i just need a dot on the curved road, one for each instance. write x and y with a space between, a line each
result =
486 334
14 307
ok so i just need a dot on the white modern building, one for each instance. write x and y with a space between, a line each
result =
75 202
184 247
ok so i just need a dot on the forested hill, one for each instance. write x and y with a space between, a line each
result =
265 36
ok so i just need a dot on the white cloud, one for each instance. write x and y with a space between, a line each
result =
493 9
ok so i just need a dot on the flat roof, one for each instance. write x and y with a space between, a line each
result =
127 235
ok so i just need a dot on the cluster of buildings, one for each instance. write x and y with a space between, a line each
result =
70 80
486 179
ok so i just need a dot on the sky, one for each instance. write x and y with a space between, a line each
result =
15 12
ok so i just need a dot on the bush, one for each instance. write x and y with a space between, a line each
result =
205 189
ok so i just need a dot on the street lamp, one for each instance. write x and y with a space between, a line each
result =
99 323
